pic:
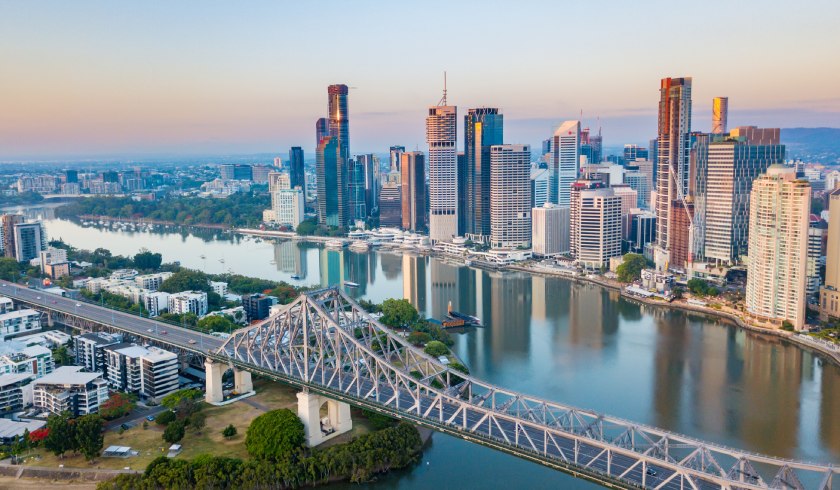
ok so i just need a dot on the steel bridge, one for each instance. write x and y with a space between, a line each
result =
326 343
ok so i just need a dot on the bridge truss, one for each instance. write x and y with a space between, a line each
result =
326 342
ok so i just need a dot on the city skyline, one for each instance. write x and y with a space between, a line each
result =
252 86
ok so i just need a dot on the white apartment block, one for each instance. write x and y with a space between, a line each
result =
90 349
152 282
17 321
219 287
15 392
123 274
69 389
287 207
510 196
550 230
778 246
146 370
595 226
17 358
441 135
188 302
156 303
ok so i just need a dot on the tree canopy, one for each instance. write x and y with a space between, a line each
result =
398 313
274 435
436 348
89 436
186 280
147 260
216 323
61 436
631 268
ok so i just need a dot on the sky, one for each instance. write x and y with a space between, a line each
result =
91 78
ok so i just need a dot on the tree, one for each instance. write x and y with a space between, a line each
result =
89 436
172 400
274 435
174 432
61 356
436 348
398 312
631 268
61 436
229 431
306 227
788 326
216 323
9 269
186 280
165 418
419 338
198 421
118 405
147 260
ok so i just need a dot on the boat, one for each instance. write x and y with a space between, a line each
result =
351 284
336 244
360 246
469 320
295 277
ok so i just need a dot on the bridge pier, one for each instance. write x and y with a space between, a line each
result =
213 372
319 429
242 381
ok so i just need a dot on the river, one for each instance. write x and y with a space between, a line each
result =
574 343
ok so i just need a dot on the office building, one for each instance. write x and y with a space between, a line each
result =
510 196
148 371
259 173
358 204
396 157
672 160
463 211
830 291
322 130
720 110
642 231
483 128
15 394
256 306
390 205
194 302
550 230
441 135
90 349
287 207
564 162
297 175
778 247
69 389
231 171
680 256
595 231
339 117
29 240
726 167
14 322
633 153
333 187
413 190
16 357
641 183
540 181
368 164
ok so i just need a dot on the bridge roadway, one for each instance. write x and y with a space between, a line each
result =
162 332
589 460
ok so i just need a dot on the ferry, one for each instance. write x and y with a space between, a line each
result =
351 284
469 320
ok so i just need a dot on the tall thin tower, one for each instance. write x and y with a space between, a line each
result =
673 158
442 135
564 149
720 111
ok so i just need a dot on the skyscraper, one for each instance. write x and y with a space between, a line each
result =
356 183
333 203
726 167
633 152
510 196
595 232
483 128
565 161
462 169
830 291
322 130
778 245
371 178
396 151
390 207
413 190
550 230
720 110
441 134
339 120
673 158
296 173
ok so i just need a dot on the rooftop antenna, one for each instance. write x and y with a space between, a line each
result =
442 101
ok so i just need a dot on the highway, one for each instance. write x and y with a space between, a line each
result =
143 327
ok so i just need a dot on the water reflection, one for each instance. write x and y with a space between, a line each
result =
290 258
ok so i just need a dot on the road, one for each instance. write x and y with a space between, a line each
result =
143 327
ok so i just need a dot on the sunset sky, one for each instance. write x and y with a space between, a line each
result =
89 78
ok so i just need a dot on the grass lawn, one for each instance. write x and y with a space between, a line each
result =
150 444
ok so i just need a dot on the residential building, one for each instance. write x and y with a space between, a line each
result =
256 306
595 231
540 180
57 269
778 245
90 349
52 255
194 302
720 114
339 117
817 232
15 393
149 371
287 207
29 240
356 183
830 291
413 191
296 169
322 130
564 162
152 282
16 358
13 322
7 225
483 128
673 145
680 256
219 287
510 196
333 186
441 135
390 205
369 169
69 389
550 230
156 302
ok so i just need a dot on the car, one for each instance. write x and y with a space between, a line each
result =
651 472
163 332
149 330
125 426
191 341
37 297
78 305
150 418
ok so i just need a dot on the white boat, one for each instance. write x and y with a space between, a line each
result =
360 246
338 244
351 284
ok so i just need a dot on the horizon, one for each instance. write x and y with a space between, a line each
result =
92 81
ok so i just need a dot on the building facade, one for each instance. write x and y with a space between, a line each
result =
69 389
148 371
194 302
550 230
595 231
441 135
830 291
483 128
413 191
510 196
297 174
564 162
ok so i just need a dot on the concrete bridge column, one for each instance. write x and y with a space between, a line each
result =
242 381
213 389
319 429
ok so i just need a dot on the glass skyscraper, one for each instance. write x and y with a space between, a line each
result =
483 128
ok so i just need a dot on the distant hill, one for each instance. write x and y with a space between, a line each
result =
819 145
